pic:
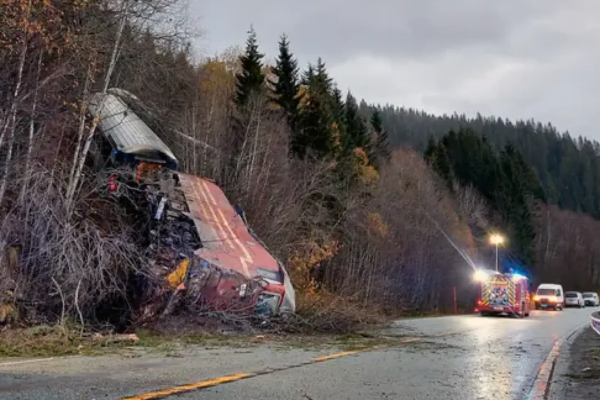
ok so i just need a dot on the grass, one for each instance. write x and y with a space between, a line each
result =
67 339
351 341
47 341
51 341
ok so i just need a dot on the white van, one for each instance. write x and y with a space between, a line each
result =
549 296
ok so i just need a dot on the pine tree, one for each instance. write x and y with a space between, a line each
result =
436 156
250 80
315 136
357 132
338 106
286 85
430 149
529 179
316 125
513 200
322 80
337 113
503 179
308 76
382 146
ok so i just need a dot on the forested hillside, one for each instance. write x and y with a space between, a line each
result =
568 169
361 219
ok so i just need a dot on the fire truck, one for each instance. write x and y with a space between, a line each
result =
502 293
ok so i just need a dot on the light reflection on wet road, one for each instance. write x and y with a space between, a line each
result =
497 358
487 358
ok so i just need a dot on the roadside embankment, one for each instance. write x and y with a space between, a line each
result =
582 379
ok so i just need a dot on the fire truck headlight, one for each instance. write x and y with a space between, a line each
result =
536 298
480 276
552 299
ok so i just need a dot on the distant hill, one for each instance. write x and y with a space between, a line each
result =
569 168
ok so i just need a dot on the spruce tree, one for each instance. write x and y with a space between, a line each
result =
315 136
286 85
316 119
308 76
437 157
528 178
382 145
503 179
338 106
430 149
337 114
513 200
357 132
250 80
322 80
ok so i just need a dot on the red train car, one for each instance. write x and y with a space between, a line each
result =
234 255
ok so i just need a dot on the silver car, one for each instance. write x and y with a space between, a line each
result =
591 299
574 299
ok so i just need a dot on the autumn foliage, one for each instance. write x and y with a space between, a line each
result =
363 229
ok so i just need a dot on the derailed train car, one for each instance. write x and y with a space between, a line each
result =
228 243
131 141
201 244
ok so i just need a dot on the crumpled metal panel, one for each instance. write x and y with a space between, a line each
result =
225 238
125 129
226 241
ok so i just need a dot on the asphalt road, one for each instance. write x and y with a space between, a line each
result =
462 358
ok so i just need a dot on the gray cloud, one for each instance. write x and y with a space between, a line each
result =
512 58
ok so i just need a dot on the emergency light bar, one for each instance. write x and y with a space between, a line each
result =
482 275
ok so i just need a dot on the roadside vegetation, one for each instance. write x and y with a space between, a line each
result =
377 212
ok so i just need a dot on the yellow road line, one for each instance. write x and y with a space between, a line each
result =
232 378
188 388
408 341
366 349
338 355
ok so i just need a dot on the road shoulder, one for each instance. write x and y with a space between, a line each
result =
577 371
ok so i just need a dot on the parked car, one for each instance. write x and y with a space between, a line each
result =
591 299
574 299
549 295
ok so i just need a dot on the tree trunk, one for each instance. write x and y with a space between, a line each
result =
74 182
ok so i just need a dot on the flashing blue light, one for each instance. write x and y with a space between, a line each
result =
518 277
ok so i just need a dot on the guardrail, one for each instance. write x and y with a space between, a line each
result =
595 322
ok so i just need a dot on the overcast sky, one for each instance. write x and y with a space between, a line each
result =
511 58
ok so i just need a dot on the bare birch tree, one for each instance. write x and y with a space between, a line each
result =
87 139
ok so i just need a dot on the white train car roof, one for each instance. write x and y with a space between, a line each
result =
126 131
